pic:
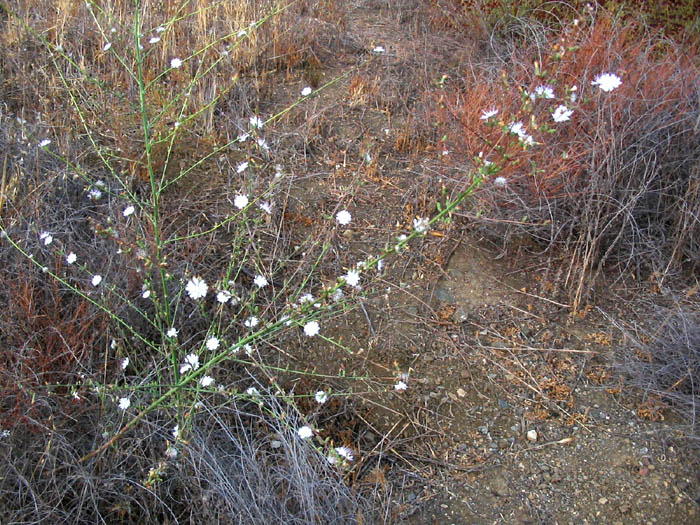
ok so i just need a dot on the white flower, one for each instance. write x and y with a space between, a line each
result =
176 432
196 288
321 397
124 403
146 294
607 81
488 113
266 207
94 194
71 258
96 280
128 211
400 386
125 363
223 296
171 333
46 237
544 91
212 343
154 40
345 453
44 143
252 392
242 166
206 381
262 143
337 295
379 49
352 278
562 114
306 298
248 349
573 96
171 452
260 281
518 129
306 91
191 362
160 29
500 181
251 322
421 224
305 432
256 122
175 63
343 217
240 201
312 328
107 46
243 137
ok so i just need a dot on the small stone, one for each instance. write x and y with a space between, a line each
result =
532 435
603 501
461 392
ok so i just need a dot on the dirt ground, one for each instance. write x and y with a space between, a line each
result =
511 414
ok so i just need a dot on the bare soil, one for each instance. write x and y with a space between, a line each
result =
512 414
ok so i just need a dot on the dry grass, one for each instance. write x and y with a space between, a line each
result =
70 73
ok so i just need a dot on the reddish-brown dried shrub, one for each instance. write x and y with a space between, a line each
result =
51 343
613 182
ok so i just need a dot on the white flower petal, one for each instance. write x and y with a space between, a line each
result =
312 328
343 217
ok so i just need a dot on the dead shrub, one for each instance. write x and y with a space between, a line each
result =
617 182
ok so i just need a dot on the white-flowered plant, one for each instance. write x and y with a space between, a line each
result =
191 362
223 296
607 81
562 114
46 237
352 278
256 122
196 288
343 217
312 328
305 432
421 224
321 397
400 386
488 113
163 290
240 201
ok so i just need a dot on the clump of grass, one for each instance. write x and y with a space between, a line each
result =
661 362
609 176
